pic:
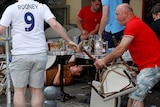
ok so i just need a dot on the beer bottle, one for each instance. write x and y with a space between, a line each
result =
92 47
103 45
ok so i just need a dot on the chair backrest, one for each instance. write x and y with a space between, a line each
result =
51 61
75 32
51 34
68 27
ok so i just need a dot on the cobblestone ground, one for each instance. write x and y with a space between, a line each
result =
76 90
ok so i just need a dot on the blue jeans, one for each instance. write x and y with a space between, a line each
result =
108 37
146 79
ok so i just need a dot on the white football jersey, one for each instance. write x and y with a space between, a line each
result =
26 18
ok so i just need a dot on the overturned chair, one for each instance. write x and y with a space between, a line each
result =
115 80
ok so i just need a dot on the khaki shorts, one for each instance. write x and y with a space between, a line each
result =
28 70
146 79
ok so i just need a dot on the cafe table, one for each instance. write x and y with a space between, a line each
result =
61 55
126 56
82 55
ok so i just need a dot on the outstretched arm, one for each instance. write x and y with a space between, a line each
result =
60 30
117 52
104 19
2 29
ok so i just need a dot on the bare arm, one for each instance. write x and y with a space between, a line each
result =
2 29
66 79
84 32
79 24
117 52
104 19
56 80
60 30
88 34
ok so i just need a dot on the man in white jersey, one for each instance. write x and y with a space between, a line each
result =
29 55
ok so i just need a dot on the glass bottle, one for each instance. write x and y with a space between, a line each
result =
103 45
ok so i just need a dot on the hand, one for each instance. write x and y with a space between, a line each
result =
84 32
84 37
99 63
74 46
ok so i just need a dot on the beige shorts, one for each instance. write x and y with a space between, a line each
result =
28 70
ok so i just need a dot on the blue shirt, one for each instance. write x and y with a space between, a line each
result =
112 25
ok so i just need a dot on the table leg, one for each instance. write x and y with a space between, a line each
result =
63 96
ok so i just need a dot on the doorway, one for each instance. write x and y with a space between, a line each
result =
147 6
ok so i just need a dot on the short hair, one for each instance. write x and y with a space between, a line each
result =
126 7
95 0
129 8
155 9
126 1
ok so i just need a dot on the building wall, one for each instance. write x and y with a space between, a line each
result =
137 7
75 6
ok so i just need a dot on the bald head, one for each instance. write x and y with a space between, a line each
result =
124 13
125 7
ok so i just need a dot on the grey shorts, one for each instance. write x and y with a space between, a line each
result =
28 70
146 79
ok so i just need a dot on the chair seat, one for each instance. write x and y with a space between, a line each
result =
51 61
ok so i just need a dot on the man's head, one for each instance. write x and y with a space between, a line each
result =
155 11
76 70
96 5
124 13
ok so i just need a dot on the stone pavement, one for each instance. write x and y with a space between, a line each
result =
76 90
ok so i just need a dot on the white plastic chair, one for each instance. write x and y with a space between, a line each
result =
75 32
51 34
51 61
68 27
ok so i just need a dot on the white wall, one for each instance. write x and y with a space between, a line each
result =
75 6
137 7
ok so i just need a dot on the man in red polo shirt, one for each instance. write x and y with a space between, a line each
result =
144 48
